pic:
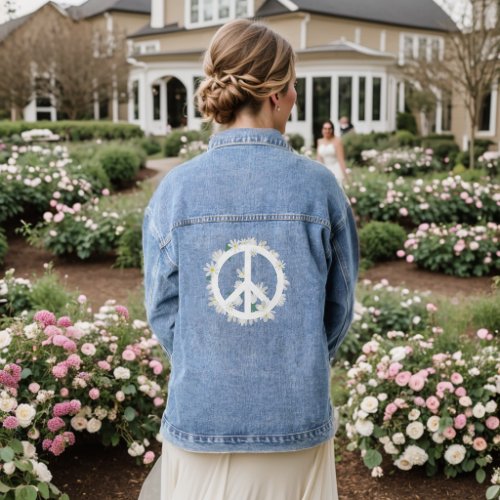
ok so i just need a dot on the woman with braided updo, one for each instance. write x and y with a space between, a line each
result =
250 265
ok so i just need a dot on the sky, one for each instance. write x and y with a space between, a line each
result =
26 6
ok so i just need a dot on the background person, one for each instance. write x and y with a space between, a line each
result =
330 152
345 126
250 264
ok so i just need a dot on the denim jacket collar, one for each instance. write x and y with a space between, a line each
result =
233 136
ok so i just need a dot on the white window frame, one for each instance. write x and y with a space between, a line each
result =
415 41
216 19
493 114
141 48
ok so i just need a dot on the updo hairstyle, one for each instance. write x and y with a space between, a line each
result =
245 63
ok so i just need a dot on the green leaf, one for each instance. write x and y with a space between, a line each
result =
468 465
372 459
480 476
115 439
4 488
26 493
482 461
24 465
26 373
64 497
43 488
16 445
129 389
129 414
492 492
7 454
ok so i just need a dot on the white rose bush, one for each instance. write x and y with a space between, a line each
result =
63 378
420 405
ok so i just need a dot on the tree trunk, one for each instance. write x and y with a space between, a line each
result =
13 113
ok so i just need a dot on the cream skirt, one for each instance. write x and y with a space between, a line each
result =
299 475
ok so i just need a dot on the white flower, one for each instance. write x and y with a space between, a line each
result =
34 433
41 471
415 430
414 414
364 427
433 423
369 404
403 463
455 454
5 338
465 401
382 396
390 449
416 455
397 353
384 439
438 438
361 388
467 440
7 404
25 414
399 438
29 450
474 372
94 425
9 468
121 372
377 472
136 449
490 407
479 410
79 423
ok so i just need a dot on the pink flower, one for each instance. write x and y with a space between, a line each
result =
402 378
105 192
431 308
64 321
479 444
403 211
60 370
46 444
82 299
460 421
460 392
416 383
61 409
10 422
444 386
88 349
44 317
58 445
59 340
128 355
393 369
34 387
94 393
400 253
449 433
492 423
69 346
419 401
74 406
64 392
73 332
482 333
410 259
74 360
432 403
122 311
52 330
456 378
156 366
69 437
148 458
55 423
104 365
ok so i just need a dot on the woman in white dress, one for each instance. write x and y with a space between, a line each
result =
331 152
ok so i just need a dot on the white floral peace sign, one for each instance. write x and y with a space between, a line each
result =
257 305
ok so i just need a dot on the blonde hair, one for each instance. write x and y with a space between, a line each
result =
245 63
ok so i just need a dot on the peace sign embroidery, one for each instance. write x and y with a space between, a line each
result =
248 302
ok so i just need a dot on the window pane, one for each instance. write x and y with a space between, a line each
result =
241 8
422 48
208 10
322 91
196 83
377 99
446 109
135 94
223 9
435 49
301 99
195 9
345 96
156 102
485 113
362 98
408 47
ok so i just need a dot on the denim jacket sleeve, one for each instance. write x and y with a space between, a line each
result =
161 285
341 282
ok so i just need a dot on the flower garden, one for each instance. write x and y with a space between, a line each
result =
416 382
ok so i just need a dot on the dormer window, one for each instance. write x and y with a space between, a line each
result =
210 12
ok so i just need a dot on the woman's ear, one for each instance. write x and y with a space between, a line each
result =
275 100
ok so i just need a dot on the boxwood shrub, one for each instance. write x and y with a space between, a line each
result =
379 241
120 163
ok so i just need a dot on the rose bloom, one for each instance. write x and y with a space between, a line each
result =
455 454
432 403
449 433
456 378
479 444
479 410
460 392
402 378
460 421
465 401
416 383
482 333
88 349
433 423
128 355
415 430
94 393
492 423
148 458
25 414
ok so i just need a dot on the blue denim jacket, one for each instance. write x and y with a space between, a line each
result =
250 262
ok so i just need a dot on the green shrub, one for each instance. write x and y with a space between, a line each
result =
176 139
4 247
405 138
296 141
129 249
486 312
151 145
443 147
406 121
120 163
94 172
354 144
380 241
75 130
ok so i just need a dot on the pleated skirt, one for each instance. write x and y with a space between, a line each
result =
299 475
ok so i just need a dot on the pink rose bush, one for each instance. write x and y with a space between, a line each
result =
424 406
62 377
457 249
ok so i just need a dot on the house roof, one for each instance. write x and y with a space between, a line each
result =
95 7
346 46
424 14
148 30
